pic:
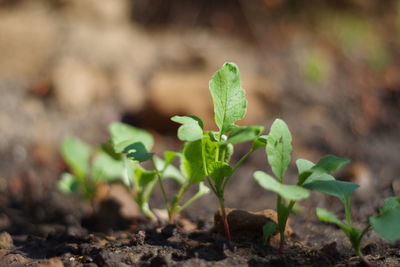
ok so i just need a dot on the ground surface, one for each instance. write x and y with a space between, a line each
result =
329 69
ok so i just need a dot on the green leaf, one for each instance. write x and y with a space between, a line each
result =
191 129
76 154
304 165
241 134
290 192
209 153
109 149
307 175
338 189
390 204
335 188
137 151
67 184
106 168
269 230
122 135
326 216
228 97
387 223
169 156
191 161
228 150
330 163
144 177
218 171
279 148
260 142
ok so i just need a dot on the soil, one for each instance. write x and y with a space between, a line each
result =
350 110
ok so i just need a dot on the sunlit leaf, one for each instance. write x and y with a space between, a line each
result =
241 134
290 192
228 97
279 148
122 135
76 154
191 128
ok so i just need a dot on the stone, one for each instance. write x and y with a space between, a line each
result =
241 221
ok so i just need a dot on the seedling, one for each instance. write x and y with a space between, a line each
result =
134 143
279 149
386 224
89 167
206 154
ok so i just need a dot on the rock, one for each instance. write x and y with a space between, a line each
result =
6 241
247 221
8 258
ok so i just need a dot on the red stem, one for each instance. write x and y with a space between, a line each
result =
281 247
365 262
226 226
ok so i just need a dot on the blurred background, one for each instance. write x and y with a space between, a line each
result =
330 69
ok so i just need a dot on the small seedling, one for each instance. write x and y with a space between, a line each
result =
134 143
279 149
89 167
386 224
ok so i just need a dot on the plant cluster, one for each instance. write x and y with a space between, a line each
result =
205 160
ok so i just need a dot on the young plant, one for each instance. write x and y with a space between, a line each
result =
89 167
206 154
279 150
386 224
134 144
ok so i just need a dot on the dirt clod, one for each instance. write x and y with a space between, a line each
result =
241 221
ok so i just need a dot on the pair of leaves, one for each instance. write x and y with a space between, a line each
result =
309 172
387 222
192 130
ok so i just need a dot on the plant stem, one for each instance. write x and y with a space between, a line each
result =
363 260
224 218
281 223
241 160
161 185
175 202
346 203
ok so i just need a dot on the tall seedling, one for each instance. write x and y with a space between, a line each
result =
279 150
206 154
